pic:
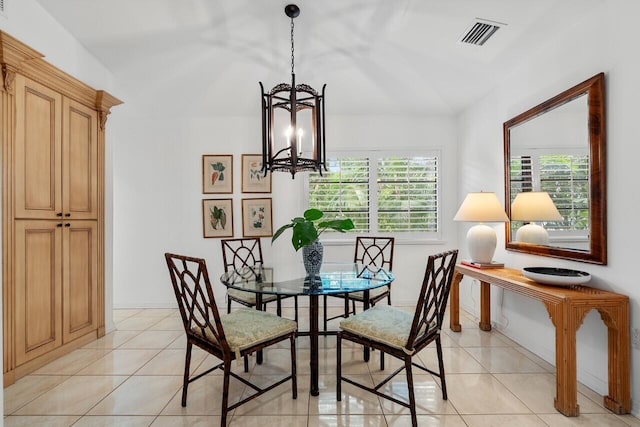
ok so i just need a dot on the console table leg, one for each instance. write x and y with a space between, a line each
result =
617 320
566 324
485 306
454 303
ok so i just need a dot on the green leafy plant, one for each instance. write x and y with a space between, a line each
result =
308 228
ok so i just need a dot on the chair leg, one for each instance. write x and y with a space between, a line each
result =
381 360
412 395
246 363
187 367
225 393
353 307
278 306
294 382
295 308
339 368
228 305
443 383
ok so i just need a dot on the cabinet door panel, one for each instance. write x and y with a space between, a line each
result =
80 161
38 150
38 274
79 279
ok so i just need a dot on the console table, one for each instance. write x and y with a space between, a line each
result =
567 307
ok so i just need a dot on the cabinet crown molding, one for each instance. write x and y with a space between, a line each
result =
16 56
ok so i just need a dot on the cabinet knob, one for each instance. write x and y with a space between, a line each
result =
67 215
59 214
67 225
59 225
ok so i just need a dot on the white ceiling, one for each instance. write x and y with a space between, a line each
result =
376 56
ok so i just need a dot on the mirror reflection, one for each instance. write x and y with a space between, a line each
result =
555 173
550 159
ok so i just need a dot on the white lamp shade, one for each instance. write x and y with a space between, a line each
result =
534 206
481 207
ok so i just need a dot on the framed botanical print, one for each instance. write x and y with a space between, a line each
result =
217 218
217 173
253 178
256 218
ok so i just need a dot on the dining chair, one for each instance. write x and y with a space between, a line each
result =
245 257
227 337
402 334
375 252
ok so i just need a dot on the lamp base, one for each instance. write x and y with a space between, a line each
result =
481 241
532 233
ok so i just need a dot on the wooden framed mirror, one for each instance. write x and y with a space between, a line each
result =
559 147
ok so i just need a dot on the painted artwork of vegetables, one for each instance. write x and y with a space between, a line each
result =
255 171
257 217
254 179
217 172
217 218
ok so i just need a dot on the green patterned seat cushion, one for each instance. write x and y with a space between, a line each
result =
373 293
382 323
245 328
249 297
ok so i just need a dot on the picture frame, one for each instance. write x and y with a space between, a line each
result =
253 178
217 218
257 220
217 173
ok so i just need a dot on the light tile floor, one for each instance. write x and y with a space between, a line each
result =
132 377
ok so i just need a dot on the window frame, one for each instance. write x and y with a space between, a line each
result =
410 237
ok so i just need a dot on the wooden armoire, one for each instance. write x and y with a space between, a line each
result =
53 138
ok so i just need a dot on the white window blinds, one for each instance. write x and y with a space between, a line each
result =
380 193
407 194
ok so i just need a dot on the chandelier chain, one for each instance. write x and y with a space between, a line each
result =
292 50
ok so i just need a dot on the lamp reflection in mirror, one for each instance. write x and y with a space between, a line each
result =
533 206
481 238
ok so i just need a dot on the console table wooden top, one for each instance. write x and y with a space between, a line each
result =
567 308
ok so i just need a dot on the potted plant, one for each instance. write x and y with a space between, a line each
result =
306 231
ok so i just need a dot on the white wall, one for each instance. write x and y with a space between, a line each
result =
603 41
158 194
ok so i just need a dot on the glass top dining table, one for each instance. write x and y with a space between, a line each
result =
334 278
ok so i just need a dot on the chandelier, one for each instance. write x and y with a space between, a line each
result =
293 131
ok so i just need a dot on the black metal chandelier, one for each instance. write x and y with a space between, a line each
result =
293 131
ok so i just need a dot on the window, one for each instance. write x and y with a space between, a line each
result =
381 192
565 177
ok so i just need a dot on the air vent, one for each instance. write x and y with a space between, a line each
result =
2 11
480 31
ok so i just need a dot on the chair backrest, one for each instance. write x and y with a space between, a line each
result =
242 255
434 294
374 251
196 302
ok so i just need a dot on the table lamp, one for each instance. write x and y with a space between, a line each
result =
533 206
481 239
